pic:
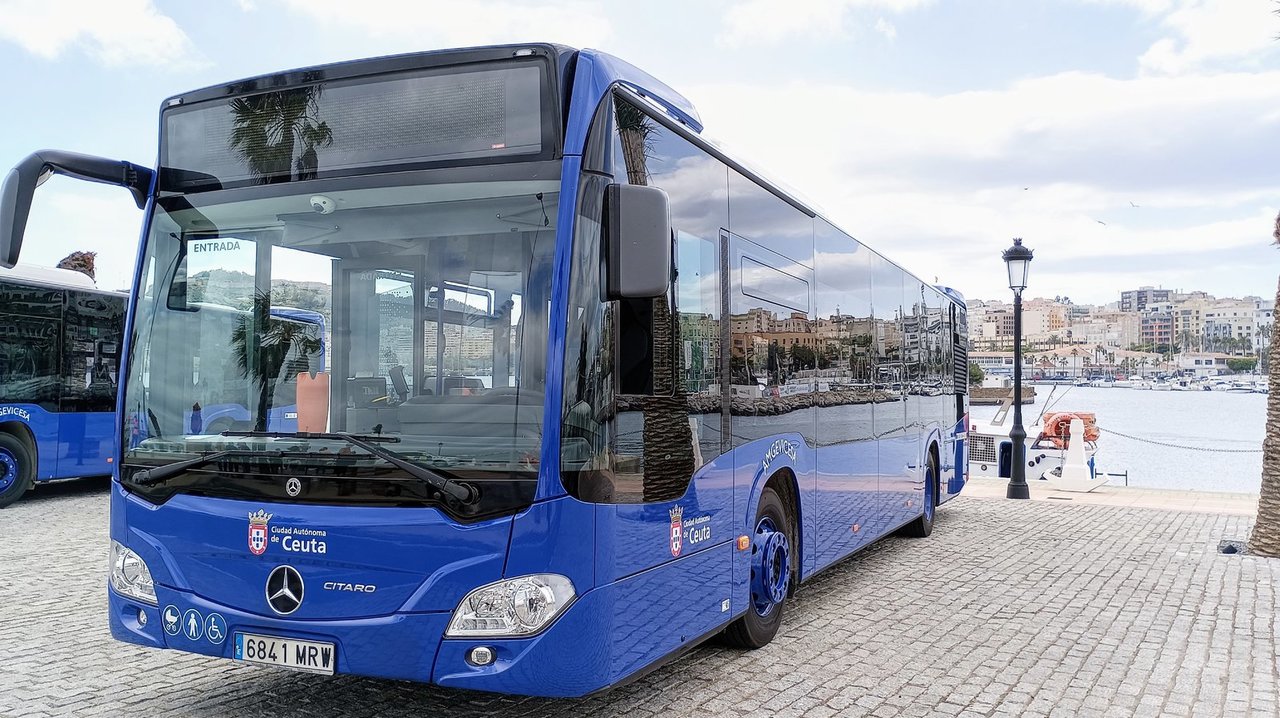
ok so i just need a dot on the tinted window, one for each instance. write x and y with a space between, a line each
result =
887 327
93 328
764 218
845 324
774 347
30 344
641 375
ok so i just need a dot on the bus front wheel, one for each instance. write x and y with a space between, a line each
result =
17 469
772 559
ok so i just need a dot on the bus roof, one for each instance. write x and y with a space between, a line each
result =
49 275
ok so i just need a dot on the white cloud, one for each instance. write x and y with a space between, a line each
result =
1205 33
116 34
771 21
921 177
886 28
414 24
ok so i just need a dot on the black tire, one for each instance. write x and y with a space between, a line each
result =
923 526
753 630
17 469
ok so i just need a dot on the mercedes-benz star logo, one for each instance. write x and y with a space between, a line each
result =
293 487
284 590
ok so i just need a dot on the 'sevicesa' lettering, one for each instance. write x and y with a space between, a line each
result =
15 411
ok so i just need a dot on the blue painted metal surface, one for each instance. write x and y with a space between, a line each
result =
650 579
68 444
770 567
8 469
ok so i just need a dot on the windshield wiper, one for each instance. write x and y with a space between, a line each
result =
155 475
465 493
312 435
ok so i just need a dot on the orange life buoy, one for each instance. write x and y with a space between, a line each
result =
1057 428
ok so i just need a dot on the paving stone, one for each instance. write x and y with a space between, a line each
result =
1010 608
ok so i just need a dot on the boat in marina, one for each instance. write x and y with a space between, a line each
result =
1049 438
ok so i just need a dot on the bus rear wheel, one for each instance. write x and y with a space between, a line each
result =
17 469
923 526
772 569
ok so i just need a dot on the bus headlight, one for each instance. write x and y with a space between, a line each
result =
514 607
130 575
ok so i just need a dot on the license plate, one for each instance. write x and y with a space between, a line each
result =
312 656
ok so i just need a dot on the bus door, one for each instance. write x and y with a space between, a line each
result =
378 349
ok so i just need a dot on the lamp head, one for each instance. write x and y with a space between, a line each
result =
1017 260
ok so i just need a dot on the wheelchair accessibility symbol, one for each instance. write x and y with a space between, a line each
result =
215 628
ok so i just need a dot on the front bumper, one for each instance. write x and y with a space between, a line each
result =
606 636
568 659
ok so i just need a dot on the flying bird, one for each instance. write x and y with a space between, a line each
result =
1100 222
1131 204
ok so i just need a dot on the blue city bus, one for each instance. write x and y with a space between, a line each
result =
60 339
698 392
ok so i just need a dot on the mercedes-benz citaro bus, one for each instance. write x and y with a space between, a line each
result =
594 391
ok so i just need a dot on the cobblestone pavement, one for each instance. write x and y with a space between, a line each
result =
1010 608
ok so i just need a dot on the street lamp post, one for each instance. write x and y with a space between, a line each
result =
1017 260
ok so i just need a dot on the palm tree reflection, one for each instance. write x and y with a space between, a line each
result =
269 128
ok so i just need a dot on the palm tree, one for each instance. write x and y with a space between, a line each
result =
79 262
1265 538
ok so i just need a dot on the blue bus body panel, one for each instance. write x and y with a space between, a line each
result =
554 537
955 461
418 559
594 73
632 538
605 636
755 462
848 499
68 444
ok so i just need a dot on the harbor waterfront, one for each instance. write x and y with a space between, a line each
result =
1216 429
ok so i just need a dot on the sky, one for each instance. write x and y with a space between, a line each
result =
1128 142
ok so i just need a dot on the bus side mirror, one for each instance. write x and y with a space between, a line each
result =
21 182
637 241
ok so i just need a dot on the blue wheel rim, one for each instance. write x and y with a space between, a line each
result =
770 567
8 469
928 494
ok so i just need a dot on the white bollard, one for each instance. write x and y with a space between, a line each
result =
1076 475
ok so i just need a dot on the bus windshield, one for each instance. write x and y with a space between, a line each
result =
415 313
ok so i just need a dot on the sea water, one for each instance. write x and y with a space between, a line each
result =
1196 422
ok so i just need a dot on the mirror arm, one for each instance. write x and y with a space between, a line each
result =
135 178
20 185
